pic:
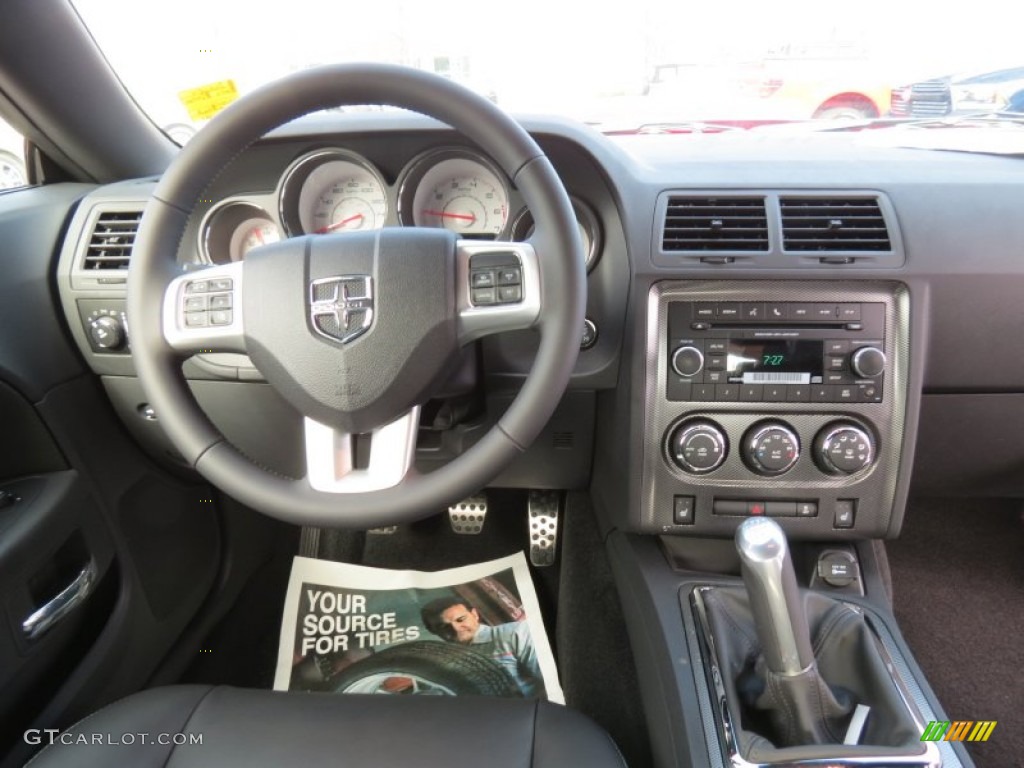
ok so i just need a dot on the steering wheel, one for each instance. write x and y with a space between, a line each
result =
355 329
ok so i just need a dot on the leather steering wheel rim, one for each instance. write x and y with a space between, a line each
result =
154 265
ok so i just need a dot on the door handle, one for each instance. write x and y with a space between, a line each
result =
60 606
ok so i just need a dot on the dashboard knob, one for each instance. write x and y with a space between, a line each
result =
868 362
107 333
698 447
843 449
687 361
771 449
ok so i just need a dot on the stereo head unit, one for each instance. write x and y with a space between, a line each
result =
775 351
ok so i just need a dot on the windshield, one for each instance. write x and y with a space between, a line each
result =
646 66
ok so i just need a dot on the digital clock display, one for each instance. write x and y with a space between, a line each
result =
774 361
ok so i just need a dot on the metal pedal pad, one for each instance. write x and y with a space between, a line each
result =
543 508
385 530
468 516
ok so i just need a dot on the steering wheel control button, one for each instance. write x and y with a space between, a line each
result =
683 510
698 447
495 278
197 320
510 276
195 303
771 449
220 284
845 513
868 362
484 296
589 337
220 317
843 449
687 361
220 301
198 286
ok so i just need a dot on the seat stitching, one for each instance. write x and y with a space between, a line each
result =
188 719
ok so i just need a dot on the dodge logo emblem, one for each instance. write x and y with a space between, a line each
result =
341 308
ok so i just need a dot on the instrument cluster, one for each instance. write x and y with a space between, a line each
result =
337 190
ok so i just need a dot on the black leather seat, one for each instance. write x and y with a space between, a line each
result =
256 728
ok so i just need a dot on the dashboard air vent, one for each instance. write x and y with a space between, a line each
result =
112 239
715 224
828 225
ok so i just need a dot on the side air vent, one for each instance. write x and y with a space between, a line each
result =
112 239
715 224
829 225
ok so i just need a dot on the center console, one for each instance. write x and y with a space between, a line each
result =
775 398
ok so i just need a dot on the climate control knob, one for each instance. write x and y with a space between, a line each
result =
771 448
698 447
868 362
687 361
107 333
843 449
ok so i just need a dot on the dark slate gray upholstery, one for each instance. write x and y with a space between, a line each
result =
256 728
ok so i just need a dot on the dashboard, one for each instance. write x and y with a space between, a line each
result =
780 325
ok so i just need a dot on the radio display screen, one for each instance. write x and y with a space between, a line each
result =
775 361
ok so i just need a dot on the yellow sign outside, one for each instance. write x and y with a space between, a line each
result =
206 101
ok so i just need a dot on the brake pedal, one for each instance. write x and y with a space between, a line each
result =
468 516
543 508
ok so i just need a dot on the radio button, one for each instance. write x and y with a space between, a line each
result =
849 313
752 310
821 393
704 393
715 377
716 347
716 363
801 312
776 311
838 347
727 393
729 310
775 393
835 364
846 394
825 311
836 378
798 393
751 393
869 393
705 311
687 361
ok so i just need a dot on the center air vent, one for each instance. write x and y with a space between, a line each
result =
829 225
113 237
715 224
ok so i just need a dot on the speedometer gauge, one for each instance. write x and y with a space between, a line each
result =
456 190
332 191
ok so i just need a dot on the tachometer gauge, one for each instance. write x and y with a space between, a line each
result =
332 191
586 221
233 228
456 190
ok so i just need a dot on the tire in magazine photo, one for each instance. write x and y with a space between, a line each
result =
466 631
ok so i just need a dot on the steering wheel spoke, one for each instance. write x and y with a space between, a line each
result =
498 288
202 310
334 463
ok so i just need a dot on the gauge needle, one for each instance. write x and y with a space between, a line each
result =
445 215
339 224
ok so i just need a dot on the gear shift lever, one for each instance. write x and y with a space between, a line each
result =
774 601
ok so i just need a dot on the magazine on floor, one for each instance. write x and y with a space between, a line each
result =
470 630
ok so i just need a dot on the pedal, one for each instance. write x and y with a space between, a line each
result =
309 542
385 530
468 516
543 508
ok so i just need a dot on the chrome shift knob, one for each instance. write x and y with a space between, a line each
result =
774 599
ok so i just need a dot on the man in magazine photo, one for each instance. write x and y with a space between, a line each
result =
454 620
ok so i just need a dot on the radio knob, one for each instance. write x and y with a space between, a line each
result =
868 362
843 449
698 446
687 361
771 449
107 333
